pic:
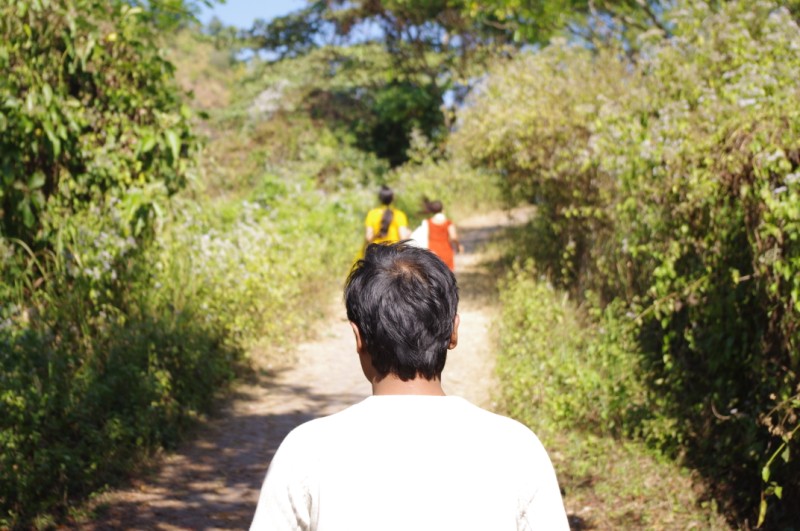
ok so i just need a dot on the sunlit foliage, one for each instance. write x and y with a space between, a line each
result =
667 193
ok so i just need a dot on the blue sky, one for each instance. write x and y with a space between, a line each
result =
241 13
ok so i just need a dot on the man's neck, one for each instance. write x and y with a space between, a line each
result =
391 384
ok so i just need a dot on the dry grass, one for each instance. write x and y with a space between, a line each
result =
202 70
611 484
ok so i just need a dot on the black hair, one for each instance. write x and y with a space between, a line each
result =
433 207
386 196
403 299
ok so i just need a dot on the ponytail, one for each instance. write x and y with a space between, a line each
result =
386 220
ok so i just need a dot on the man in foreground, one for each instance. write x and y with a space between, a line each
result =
408 457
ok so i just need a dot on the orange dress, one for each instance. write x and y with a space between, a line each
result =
439 242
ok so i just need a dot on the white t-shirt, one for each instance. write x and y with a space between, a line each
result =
411 463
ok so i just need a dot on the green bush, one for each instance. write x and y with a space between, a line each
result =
96 372
94 138
561 370
126 300
248 266
87 107
668 191
464 190
124 345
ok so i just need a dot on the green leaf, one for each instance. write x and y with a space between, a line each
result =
36 181
131 11
765 474
27 214
38 200
53 138
48 94
148 143
174 143
762 512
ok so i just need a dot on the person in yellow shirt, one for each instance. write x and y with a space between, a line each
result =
386 223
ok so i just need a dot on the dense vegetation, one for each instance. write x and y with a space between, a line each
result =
149 237
132 279
668 207
144 246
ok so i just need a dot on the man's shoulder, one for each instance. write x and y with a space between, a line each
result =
456 414
322 426
452 413
500 424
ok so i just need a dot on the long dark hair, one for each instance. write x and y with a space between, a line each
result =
386 196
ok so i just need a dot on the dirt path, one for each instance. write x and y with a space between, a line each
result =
213 481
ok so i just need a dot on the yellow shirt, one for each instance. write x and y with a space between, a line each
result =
393 234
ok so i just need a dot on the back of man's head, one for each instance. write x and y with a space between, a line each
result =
403 300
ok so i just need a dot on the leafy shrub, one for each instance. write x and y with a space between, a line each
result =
443 176
86 107
95 372
248 266
94 137
126 302
560 369
668 189
565 90
125 344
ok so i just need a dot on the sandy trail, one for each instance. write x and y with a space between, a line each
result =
213 481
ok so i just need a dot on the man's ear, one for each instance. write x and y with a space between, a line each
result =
454 335
357 334
364 357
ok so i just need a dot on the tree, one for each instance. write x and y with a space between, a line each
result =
87 108
426 46
435 48
169 14
536 21
291 35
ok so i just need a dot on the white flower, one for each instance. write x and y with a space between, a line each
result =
777 154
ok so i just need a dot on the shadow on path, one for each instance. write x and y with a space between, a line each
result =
213 481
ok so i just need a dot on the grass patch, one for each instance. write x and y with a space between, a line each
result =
575 382
614 484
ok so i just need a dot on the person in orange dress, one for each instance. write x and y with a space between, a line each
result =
442 235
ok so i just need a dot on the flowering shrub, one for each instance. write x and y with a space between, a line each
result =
667 192
249 273
126 302
560 370
125 344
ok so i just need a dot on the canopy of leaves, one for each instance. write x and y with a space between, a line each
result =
433 48
87 107
425 49
170 14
